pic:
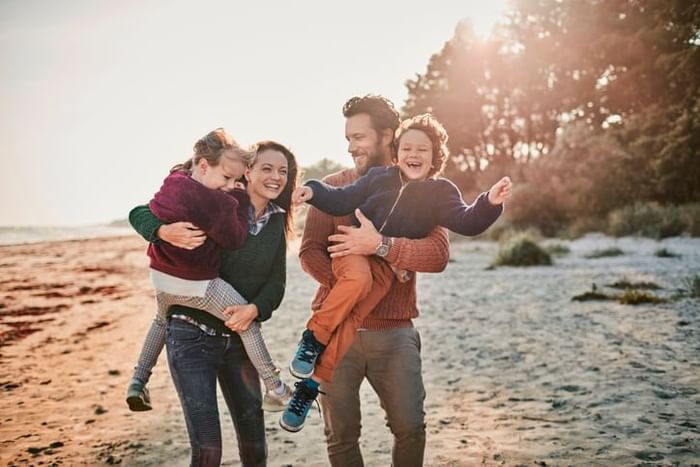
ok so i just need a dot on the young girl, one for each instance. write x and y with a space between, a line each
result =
404 200
201 191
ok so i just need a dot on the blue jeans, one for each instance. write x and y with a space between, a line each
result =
196 361
390 360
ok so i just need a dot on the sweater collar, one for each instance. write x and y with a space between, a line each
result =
256 225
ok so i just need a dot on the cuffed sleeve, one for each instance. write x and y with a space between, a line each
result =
145 223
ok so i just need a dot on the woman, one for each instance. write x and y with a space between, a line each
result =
202 348
202 191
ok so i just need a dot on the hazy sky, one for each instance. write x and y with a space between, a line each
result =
100 98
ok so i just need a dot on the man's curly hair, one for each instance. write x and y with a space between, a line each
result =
381 111
437 134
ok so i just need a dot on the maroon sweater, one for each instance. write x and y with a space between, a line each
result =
222 216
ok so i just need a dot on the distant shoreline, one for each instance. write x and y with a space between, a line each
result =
31 235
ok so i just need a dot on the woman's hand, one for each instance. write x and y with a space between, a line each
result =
302 194
240 316
500 191
182 235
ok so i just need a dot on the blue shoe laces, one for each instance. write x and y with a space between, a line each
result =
307 351
302 399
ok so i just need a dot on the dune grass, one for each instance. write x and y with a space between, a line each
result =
605 253
557 249
522 251
629 296
655 220
666 253
637 297
591 295
626 284
692 286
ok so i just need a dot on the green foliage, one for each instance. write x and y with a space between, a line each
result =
535 206
530 233
522 250
690 217
643 219
666 253
576 182
583 225
604 253
320 169
499 230
678 153
648 220
692 286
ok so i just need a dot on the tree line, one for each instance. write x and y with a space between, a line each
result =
590 105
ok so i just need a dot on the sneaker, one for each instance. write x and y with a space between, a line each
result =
302 365
295 414
137 396
273 402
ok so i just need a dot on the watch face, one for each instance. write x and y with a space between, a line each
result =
382 250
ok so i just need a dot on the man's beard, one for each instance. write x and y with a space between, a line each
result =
373 159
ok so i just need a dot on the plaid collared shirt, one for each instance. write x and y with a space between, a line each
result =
256 225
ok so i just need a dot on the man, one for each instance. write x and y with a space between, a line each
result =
387 348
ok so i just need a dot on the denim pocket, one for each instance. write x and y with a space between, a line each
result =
180 332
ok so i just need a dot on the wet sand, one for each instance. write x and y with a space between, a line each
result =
516 372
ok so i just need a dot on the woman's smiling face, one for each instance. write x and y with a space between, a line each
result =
268 175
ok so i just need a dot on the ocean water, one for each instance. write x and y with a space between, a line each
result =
20 235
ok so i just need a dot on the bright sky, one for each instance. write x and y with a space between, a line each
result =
100 98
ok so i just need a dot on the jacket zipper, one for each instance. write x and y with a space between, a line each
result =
396 201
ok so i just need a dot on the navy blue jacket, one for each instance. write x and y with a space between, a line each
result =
421 207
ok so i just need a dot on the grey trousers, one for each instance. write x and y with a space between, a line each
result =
219 295
390 360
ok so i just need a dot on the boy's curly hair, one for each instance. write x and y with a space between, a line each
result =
437 134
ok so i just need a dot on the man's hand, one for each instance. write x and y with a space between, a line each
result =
182 235
362 240
302 194
240 316
500 191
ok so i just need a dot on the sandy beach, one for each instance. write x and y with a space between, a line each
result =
516 372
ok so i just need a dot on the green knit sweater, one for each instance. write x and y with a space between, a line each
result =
257 270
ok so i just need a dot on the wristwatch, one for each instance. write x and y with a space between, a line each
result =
383 247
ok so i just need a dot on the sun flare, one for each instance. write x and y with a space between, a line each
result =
483 16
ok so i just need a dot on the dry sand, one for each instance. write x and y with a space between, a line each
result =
516 373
